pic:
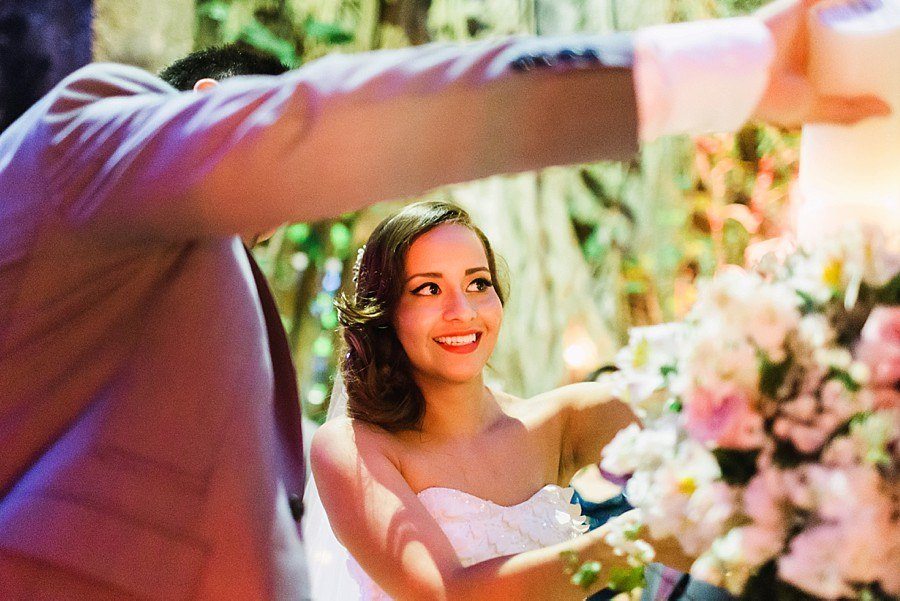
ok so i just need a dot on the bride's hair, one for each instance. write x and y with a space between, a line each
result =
376 370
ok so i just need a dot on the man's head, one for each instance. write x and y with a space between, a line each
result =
218 63
202 70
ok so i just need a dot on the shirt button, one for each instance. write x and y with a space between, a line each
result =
523 63
296 505
591 54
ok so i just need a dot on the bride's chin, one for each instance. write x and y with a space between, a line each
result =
455 377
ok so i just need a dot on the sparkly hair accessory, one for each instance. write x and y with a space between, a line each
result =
358 264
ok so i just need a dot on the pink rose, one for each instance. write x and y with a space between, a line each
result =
764 502
879 349
723 415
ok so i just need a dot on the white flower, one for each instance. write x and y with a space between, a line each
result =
708 511
814 331
684 497
715 358
727 296
724 563
708 569
836 357
634 448
860 372
830 523
621 536
641 362
772 314
872 434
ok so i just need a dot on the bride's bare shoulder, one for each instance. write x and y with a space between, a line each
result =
344 439
556 402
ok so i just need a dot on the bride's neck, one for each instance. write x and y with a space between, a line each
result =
454 409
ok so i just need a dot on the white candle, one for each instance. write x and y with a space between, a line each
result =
852 174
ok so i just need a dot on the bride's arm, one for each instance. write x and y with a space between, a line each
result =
379 519
591 415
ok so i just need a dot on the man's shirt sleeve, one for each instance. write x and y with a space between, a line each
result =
702 76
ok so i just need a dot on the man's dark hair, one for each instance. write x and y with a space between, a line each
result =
220 62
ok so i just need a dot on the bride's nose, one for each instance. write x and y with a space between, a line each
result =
458 306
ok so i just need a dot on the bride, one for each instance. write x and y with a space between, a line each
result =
438 486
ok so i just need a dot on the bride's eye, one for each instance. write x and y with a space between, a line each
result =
479 285
426 289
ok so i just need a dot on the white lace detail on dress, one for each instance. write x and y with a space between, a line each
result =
479 529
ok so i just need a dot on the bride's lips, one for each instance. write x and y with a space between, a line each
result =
461 349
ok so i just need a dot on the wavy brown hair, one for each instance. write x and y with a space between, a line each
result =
376 369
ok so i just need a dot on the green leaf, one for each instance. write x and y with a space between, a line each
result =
635 287
330 33
633 532
735 239
623 580
787 456
587 574
737 466
297 233
772 375
845 378
329 320
808 303
889 294
340 239
322 347
674 405
571 559
262 38
215 11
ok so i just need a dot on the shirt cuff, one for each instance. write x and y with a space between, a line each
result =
701 76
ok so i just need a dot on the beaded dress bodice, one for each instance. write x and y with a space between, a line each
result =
480 530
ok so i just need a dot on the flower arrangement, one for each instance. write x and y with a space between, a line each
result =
771 439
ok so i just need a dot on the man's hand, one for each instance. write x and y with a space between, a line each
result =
791 97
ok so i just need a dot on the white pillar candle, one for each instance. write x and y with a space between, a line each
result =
852 173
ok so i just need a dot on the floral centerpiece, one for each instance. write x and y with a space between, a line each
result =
770 444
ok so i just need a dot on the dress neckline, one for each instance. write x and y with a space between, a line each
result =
537 493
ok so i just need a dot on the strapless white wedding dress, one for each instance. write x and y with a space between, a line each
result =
479 529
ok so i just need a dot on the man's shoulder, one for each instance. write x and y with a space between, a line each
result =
99 81
112 79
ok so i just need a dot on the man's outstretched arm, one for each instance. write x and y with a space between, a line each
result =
131 156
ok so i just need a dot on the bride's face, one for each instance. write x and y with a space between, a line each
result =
449 314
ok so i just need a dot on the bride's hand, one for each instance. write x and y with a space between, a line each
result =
670 553
791 98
